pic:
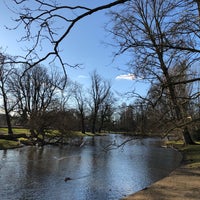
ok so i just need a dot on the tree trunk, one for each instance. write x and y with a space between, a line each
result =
94 119
177 107
101 124
93 126
33 134
82 124
187 137
10 131
8 121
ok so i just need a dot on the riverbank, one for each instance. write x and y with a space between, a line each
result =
182 184
21 137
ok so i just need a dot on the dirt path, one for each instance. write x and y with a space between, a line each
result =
181 184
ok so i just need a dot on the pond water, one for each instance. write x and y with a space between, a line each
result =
32 173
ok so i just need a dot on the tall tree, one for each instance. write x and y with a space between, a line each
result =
5 71
106 112
34 92
81 102
127 118
159 35
100 90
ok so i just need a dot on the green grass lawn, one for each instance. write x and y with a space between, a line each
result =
8 144
15 131
50 133
191 155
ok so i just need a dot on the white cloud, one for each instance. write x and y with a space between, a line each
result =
126 77
82 76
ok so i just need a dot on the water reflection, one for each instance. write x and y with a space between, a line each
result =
33 173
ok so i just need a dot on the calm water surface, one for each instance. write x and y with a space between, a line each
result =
32 173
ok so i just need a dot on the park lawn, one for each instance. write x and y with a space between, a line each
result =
8 144
50 133
191 155
4 131
53 133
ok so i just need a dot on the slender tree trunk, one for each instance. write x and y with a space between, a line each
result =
102 120
8 121
33 134
101 125
93 126
10 131
94 119
82 123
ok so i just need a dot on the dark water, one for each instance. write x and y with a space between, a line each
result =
31 173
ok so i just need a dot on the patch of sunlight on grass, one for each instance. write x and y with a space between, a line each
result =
3 130
21 139
15 131
8 144
191 148
191 154
194 165
176 144
21 130
88 134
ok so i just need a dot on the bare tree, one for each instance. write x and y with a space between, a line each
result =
5 71
106 112
41 21
100 90
64 96
34 92
81 104
159 35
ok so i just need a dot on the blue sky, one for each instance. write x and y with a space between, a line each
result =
85 45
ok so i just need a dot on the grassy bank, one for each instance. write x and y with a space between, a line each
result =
11 144
20 137
4 131
8 144
191 155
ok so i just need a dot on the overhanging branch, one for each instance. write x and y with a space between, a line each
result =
41 18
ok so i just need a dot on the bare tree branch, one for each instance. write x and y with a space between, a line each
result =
39 22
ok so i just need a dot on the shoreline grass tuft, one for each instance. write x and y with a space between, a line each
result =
8 144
